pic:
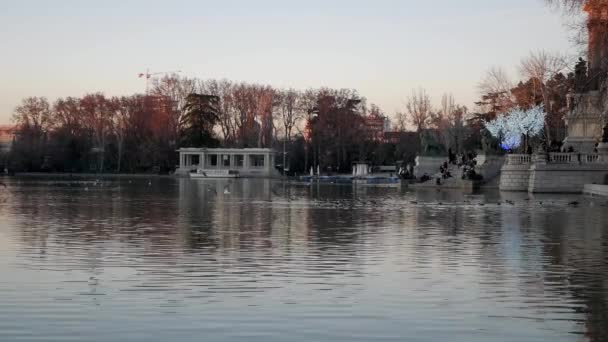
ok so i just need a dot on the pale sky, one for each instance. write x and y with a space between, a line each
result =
383 48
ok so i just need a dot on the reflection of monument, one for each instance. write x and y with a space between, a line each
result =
589 100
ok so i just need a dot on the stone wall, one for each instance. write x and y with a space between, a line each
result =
564 178
489 166
515 173
554 173
514 178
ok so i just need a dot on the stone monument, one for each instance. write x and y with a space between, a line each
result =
589 98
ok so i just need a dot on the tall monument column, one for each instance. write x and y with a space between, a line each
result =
597 26
587 114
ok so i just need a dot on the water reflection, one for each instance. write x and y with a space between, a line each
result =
269 260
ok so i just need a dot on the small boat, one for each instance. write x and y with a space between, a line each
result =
379 181
206 173
327 179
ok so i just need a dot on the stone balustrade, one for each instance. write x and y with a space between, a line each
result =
557 158
553 172
519 159
574 158
591 158
560 158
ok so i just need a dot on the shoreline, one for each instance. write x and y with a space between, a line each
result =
86 175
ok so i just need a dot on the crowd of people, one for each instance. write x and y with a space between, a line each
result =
464 161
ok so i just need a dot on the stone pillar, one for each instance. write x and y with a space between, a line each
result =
540 158
602 150
584 122
597 26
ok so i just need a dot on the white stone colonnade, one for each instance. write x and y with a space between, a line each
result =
249 162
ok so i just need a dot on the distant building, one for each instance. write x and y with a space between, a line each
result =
159 111
397 137
159 103
375 125
393 137
7 135
248 162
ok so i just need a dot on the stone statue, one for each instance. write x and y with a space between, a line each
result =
580 76
486 140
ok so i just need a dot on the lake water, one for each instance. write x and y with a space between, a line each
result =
179 260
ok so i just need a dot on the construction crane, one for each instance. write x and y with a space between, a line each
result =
148 75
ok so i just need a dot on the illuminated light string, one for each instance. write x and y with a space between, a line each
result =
509 127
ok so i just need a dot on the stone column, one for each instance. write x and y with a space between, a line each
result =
602 150
597 26
540 157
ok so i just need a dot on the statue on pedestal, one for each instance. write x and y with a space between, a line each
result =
580 76
602 147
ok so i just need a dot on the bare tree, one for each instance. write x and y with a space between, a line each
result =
401 121
33 113
442 120
33 120
125 110
570 6
575 20
177 88
419 114
495 80
449 121
265 102
98 113
495 89
67 115
228 115
290 113
419 109
541 66
308 105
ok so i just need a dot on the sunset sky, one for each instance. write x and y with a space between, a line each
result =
382 48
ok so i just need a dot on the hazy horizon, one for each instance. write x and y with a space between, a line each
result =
384 50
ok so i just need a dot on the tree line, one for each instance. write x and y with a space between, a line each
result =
140 133
315 127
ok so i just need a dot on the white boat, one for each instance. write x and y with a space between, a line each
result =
206 173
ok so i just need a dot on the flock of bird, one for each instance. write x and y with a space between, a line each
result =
226 188
100 184
512 203
226 191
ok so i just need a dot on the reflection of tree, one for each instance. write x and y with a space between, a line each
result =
575 242
62 214
551 257
195 213
264 237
